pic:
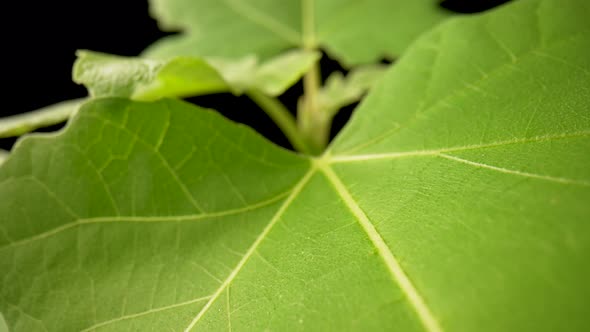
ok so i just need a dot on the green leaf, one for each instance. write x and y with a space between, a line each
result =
278 74
352 31
103 203
149 79
47 116
340 91
455 200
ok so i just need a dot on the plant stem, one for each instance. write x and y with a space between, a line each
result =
3 155
313 124
20 124
282 117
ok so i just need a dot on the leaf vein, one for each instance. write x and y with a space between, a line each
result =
52 194
442 101
112 219
515 172
394 155
262 19
277 216
100 177
144 313
157 153
422 310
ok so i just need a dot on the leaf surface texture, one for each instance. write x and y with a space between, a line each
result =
454 200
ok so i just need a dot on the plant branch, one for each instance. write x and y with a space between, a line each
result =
282 117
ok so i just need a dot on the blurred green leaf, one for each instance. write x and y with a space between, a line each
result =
340 91
351 31
147 79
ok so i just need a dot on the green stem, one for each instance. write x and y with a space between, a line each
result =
282 117
313 123
20 124
3 155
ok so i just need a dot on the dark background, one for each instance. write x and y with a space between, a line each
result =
40 39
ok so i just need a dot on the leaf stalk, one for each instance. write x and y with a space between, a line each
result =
282 118
313 124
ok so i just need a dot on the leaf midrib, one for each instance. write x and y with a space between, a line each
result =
276 217
398 274
443 153
400 278
342 158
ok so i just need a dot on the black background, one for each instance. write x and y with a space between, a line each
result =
40 39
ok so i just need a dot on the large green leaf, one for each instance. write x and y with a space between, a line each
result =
130 205
351 30
455 200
